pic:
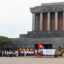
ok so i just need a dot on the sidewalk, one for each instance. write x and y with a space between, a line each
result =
31 60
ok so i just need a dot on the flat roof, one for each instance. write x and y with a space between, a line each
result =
48 7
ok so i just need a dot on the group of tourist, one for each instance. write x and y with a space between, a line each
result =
10 53
27 52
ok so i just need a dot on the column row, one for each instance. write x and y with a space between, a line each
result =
48 21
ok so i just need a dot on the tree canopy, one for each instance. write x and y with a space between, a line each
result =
5 40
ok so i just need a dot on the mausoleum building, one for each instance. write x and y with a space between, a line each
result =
47 27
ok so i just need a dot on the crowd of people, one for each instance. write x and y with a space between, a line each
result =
24 52
16 53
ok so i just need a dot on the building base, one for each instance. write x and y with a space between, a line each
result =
49 39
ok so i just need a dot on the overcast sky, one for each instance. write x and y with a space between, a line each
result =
15 16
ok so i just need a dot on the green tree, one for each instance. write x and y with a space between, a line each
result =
59 48
5 41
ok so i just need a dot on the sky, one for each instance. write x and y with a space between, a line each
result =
15 16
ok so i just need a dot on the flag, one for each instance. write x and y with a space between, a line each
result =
40 46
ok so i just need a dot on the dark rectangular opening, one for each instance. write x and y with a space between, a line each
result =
47 46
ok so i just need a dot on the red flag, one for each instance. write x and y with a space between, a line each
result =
41 46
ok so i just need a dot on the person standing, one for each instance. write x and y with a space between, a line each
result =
16 53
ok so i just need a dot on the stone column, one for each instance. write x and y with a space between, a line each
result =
41 21
48 22
63 20
56 20
33 21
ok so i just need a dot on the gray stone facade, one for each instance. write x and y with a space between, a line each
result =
29 40
56 38
48 7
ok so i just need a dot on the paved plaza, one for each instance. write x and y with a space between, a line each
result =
31 60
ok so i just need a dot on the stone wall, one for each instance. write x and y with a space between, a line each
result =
29 42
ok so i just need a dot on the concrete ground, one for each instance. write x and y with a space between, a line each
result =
31 60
